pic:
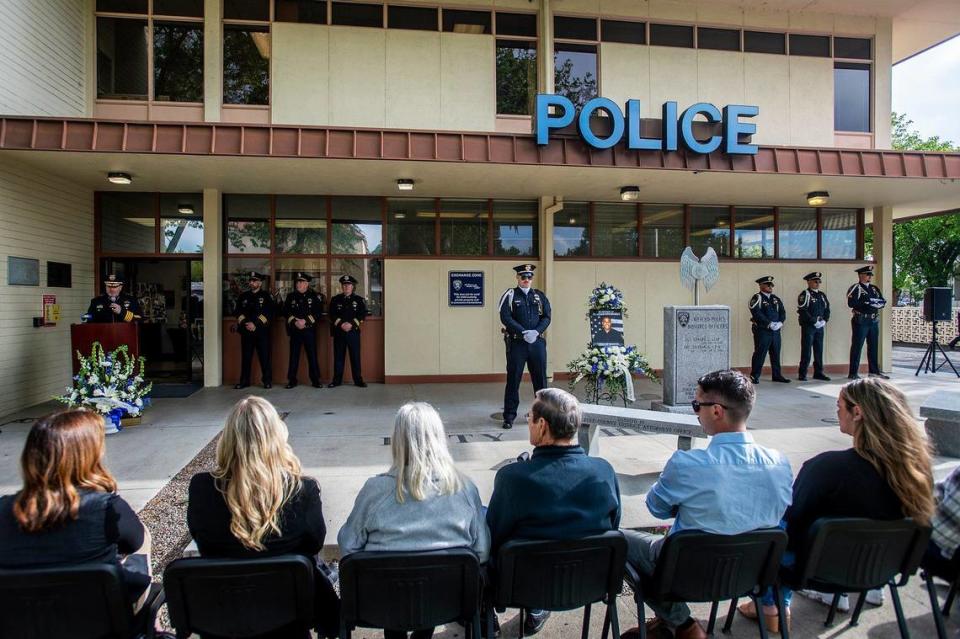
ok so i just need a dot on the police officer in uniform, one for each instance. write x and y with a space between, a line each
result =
114 305
767 316
303 308
813 307
254 312
525 315
347 312
866 300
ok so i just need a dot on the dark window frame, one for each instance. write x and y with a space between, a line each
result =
716 31
487 24
616 25
412 11
657 30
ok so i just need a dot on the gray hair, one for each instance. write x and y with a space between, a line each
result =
421 459
560 410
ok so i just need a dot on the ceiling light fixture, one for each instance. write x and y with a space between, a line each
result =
629 193
405 185
399 216
185 209
818 198
119 178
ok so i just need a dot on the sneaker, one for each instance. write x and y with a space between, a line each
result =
826 598
875 597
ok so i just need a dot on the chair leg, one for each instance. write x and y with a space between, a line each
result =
615 617
935 605
833 610
713 617
782 612
857 609
642 616
585 630
951 595
522 611
901 621
731 613
606 621
761 622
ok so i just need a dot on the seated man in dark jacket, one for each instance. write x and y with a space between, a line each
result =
560 493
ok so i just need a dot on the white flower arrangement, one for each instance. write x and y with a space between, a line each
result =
606 297
110 383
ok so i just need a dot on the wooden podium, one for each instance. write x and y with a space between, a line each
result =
110 336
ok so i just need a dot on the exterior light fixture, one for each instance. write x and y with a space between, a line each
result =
629 193
185 209
399 216
119 178
818 198
405 185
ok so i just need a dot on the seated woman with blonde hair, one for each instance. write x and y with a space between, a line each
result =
422 503
256 503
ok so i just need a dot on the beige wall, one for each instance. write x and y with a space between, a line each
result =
46 218
426 337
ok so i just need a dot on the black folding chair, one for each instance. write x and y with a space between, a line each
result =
562 575
241 597
408 591
854 556
695 566
949 571
87 601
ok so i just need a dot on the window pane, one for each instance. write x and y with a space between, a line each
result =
411 226
851 97
517 24
309 11
839 235
623 31
574 28
121 59
798 233
189 8
122 6
355 14
368 271
128 222
178 61
181 222
571 230
810 45
710 226
236 279
417 18
615 230
463 227
662 230
248 223
246 64
461 21
763 42
246 10
671 35
516 76
301 224
357 225
856 48
753 232
515 228
575 72
288 267
720 39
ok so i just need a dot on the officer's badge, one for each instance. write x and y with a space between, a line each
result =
683 318
354 305
99 307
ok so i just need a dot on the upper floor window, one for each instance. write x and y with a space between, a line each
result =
516 60
851 97
246 64
575 61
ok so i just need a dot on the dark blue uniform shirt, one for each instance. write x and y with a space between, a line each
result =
765 309
813 306
254 307
865 299
527 311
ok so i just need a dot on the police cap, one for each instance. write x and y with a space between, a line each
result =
866 270
253 275
816 275
302 277
113 280
525 269
348 279
766 279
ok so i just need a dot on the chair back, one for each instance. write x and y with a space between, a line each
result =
240 597
842 555
87 601
560 574
408 591
698 566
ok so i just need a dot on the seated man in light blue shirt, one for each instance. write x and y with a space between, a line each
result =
730 487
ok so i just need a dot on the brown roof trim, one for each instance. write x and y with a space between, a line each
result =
107 136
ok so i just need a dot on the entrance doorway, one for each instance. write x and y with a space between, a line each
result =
170 294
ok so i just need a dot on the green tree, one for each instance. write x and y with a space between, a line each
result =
578 88
905 138
516 78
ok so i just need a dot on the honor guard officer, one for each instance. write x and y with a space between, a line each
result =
114 305
866 300
767 316
303 308
525 315
347 312
254 312
813 307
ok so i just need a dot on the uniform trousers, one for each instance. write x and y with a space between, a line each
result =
520 354
259 341
764 341
342 342
811 338
864 330
303 339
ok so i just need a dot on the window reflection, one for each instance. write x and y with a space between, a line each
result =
463 227
662 230
516 76
301 224
368 272
248 223
411 226
798 233
178 61
839 236
753 233
615 233
571 230
515 228
710 227
128 222
181 222
357 225
246 64
575 72
122 59
236 279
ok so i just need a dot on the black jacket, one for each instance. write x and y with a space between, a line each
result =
764 310
813 306
343 308
306 306
254 307
524 312
99 309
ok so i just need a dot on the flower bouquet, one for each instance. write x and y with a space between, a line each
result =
111 384
606 297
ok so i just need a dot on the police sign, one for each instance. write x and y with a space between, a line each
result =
557 112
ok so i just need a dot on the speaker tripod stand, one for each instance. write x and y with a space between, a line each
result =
929 361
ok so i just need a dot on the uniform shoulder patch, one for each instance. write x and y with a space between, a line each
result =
851 290
754 300
803 299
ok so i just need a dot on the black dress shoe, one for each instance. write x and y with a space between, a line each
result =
880 375
754 379
291 385
268 385
821 377
507 425
534 621
853 377
361 384
317 385
239 386
802 379
782 380
333 384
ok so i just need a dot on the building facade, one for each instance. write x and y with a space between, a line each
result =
274 135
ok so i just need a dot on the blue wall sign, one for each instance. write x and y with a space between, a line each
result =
676 129
466 288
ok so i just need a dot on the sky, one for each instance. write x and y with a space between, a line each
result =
927 88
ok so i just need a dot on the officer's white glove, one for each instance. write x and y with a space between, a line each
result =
819 324
530 336
776 326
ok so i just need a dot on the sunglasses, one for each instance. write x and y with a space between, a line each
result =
697 405
526 277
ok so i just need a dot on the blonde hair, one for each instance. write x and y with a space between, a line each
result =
892 440
421 459
257 471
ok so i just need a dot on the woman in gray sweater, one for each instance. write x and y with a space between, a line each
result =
422 503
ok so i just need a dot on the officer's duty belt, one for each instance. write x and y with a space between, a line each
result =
866 315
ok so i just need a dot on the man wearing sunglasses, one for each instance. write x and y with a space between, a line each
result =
866 301
732 486
813 307
525 315
767 315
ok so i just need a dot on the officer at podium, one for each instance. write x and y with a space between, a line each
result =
866 301
254 312
813 307
114 305
303 308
